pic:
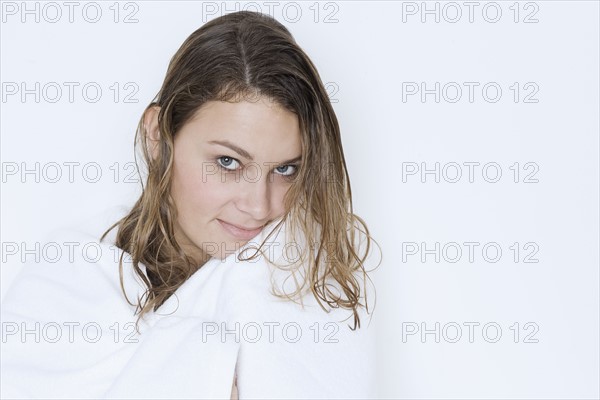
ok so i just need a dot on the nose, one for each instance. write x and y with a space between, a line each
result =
254 197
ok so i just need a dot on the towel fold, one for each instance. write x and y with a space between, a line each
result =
68 332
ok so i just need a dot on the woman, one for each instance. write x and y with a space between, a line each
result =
241 259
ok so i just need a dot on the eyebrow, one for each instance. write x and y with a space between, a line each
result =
244 153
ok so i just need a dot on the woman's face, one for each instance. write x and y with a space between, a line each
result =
233 164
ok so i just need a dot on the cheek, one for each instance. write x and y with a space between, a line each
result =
277 199
197 194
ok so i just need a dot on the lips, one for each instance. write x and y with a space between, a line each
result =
241 233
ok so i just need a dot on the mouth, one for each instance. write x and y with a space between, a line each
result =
239 232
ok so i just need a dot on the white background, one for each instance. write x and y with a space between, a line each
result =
365 52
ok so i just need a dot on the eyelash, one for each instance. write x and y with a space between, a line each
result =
237 161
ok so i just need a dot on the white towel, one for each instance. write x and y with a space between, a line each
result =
67 332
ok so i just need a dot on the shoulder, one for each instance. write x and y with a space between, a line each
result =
291 347
72 269
294 351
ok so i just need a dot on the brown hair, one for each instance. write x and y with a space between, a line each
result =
250 54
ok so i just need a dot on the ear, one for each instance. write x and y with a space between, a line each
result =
152 130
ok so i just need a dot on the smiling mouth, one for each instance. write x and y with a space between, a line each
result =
240 232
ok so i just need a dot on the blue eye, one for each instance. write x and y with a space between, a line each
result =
286 170
227 162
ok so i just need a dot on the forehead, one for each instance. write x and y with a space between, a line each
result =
263 128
